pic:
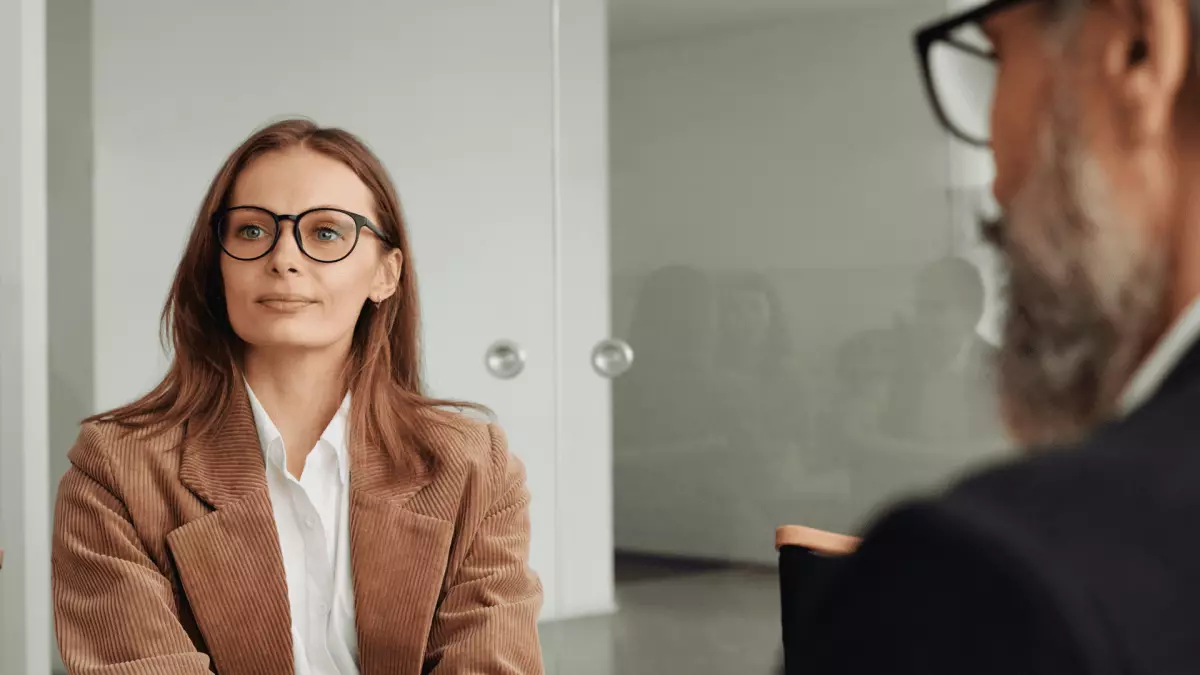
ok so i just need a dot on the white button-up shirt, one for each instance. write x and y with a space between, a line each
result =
312 515
1163 359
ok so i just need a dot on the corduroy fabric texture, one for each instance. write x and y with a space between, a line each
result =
166 558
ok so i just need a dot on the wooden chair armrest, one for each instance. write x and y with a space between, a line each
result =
828 543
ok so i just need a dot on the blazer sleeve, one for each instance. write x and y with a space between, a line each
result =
487 621
928 593
114 611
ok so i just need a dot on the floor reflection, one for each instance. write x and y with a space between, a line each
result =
676 617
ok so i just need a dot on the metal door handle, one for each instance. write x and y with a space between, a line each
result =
611 358
505 359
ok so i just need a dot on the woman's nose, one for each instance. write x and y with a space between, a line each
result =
285 258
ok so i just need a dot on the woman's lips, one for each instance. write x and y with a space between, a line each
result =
285 304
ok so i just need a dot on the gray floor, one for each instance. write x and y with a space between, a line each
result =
675 618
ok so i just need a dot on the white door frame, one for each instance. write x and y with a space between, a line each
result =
25 624
582 308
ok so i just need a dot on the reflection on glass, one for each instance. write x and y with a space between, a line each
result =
802 301
672 394
755 366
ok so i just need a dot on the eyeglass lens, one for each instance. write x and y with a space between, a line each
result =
964 81
248 233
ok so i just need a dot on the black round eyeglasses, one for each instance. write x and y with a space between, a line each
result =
323 234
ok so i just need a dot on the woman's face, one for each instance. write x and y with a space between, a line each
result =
286 300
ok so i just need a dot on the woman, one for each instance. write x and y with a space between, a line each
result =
286 500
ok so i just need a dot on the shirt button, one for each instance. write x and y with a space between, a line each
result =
323 608
309 522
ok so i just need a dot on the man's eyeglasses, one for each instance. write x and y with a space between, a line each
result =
959 68
323 234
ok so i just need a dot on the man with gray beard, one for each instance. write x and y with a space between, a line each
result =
1084 556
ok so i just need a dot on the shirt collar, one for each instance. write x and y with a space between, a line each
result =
1163 359
335 434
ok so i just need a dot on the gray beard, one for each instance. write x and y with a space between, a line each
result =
1086 290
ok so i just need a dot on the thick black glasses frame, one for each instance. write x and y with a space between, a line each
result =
359 221
941 31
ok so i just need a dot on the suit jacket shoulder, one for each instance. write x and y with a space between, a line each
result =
474 469
1108 521
121 458
933 591
463 439
1076 559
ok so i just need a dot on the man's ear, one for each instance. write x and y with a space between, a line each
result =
1146 56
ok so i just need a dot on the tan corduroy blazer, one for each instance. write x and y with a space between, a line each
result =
166 558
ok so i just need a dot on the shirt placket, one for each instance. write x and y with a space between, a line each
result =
309 493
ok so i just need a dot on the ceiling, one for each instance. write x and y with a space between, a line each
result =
638 21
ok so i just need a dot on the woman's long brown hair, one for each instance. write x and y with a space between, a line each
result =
383 372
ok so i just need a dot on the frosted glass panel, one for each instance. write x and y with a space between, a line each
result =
813 314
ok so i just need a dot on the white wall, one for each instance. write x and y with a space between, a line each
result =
24 521
69 234
70 245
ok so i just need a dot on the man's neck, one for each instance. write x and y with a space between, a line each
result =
1175 329
1184 250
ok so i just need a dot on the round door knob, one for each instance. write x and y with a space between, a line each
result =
505 359
612 357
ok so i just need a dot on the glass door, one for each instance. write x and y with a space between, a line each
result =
799 278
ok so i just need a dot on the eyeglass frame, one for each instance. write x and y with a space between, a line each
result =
360 222
940 31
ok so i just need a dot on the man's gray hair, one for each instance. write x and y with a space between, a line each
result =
1065 12
1066 6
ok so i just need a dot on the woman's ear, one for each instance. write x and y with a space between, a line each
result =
387 276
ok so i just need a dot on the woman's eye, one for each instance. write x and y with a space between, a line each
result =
251 231
328 234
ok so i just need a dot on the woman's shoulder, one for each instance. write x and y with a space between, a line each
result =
475 467
466 438
454 430
105 446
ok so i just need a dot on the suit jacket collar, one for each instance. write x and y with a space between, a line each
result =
229 561
226 467
231 567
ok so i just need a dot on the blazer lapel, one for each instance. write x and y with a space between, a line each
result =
398 559
229 561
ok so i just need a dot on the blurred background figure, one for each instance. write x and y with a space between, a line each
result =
755 366
674 395
942 388
865 368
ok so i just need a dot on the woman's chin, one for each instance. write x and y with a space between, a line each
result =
285 340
